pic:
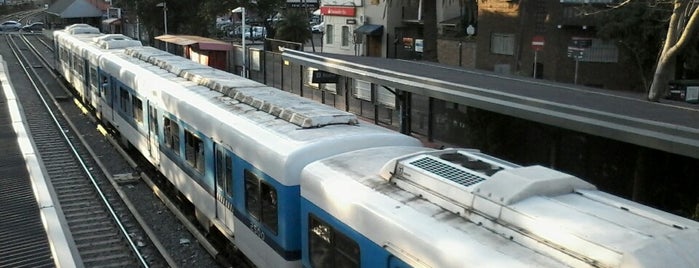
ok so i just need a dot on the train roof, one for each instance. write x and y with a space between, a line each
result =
295 109
260 123
91 43
433 194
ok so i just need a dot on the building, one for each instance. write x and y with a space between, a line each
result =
504 36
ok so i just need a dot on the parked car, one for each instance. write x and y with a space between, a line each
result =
10 25
33 27
318 28
251 32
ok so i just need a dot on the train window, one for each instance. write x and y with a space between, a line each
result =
261 201
224 171
80 66
328 247
171 132
103 84
153 120
137 109
123 100
93 77
194 151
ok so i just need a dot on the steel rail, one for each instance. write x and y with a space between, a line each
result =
21 59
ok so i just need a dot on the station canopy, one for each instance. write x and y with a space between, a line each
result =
203 42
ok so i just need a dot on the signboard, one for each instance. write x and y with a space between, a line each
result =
419 45
408 43
575 52
577 46
302 5
338 11
538 42
581 42
323 77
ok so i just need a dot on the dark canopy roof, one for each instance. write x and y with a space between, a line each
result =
370 29
203 42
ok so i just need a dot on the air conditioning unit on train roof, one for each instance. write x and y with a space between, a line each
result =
81 29
115 41
445 177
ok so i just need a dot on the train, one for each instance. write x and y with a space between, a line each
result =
291 182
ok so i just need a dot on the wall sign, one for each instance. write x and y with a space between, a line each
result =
338 11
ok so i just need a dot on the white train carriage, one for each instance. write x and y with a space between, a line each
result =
79 48
74 50
400 207
257 157
239 152
236 158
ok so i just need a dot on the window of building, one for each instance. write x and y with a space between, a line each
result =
329 34
601 51
194 151
345 36
309 78
362 90
261 201
329 247
330 87
386 97
502 43
171 133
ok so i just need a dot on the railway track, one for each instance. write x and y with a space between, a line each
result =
99 221
166 233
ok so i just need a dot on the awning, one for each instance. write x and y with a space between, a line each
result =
370 29
203 42
115 21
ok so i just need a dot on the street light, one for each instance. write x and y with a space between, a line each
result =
164 6
242 32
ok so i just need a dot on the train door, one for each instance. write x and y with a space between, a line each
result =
224 186
153 140
103 101
87 82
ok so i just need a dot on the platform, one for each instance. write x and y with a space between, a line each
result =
31 229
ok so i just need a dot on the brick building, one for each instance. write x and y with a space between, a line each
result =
500 40
506 30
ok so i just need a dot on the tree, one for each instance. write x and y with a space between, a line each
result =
266 9
683 24
294 27
656 33
194 17
637 29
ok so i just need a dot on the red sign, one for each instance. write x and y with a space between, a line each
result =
338 11
538 42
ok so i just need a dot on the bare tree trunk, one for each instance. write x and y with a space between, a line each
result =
673 45
660 79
